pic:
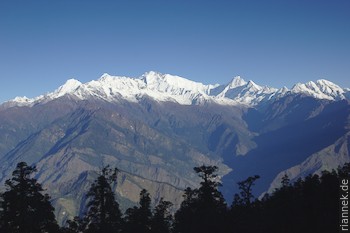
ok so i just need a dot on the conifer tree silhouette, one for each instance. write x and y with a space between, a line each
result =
103 213
24 208
245 209
162 219
138 219
203 209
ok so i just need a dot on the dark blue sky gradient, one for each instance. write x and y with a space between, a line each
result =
275 43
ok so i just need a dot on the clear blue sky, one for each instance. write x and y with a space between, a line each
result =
275 43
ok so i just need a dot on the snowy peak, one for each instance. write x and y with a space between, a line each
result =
166 87
247 93
237 82
321 89
329 88
69 87
253 86
170 83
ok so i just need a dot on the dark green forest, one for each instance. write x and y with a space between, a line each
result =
310 205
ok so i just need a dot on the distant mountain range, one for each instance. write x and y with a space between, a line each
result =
169 88
157 127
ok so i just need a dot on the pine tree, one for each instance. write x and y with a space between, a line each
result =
183 216
204 209
208 193
245 209
138 219
103 213
25 208
246 195
162 219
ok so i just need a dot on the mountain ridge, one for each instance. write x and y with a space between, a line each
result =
166 87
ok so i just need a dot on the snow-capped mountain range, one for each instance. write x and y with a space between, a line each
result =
157 127
166 87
